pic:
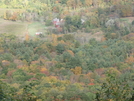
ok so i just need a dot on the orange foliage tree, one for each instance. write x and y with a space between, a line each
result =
130 60
44 71
26 37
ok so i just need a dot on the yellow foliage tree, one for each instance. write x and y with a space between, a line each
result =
71 52
54 39
65 13
5 16
88 2
74 3
77 70
50 79
62 42
33 68
113 35
113 70
5 62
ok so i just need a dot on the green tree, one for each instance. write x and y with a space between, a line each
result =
68 37
66 56
6 92
60 48
20 75
115 88
73 62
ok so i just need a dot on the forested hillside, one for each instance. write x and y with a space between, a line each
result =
67 50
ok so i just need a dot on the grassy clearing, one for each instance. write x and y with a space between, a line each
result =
36 27
2 12
127 19
21 28
124 19
10 27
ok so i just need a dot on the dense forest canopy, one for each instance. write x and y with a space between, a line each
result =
83 50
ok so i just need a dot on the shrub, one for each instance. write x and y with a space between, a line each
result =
50 47
59 38
68 37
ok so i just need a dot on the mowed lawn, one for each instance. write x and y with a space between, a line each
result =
12 27
36 27
21 28
18 27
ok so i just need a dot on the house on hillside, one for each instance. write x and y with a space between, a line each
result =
57 22
82 21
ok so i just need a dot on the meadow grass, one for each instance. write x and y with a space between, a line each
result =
21 28
36 27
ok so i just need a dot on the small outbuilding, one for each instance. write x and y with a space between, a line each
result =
38 33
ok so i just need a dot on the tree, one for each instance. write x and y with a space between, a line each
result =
66 56
133 22
28 93
94 22
115 88
27 37
77 70
93 41
20 75
68 22
88 2
73 62
60 48
68 37
6 92
73 23
74 3
50 46
63 1
2 95
76 21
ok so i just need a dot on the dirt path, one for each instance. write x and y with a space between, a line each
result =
85 37
130 19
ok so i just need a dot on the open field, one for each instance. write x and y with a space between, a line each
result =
36 27
21 28
11 27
